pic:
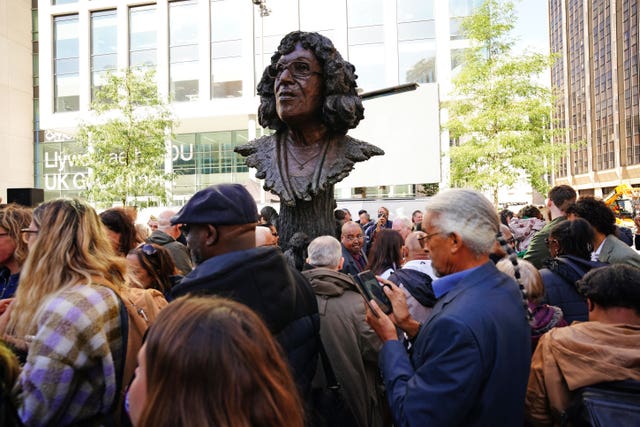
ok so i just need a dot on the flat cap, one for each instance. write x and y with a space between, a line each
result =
221 204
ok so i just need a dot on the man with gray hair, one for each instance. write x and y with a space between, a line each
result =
351 345
166 235
402 225
470 360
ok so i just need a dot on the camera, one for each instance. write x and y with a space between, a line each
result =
380 215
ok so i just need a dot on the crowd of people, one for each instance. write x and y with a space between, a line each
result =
494 318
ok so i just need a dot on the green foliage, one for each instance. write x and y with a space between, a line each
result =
500 116
125 140
430 189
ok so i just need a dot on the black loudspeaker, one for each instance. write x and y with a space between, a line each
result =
30 197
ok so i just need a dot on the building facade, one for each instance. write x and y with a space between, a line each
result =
209 55
597 80
16 95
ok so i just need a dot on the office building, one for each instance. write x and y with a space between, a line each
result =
16 95
209 56
597 80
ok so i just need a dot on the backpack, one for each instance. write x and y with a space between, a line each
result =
143 306
138 309
615 403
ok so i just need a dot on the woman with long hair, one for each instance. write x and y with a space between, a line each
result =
151 266
210 361
570 244
544 317
13 248
70 323
121 230
386 254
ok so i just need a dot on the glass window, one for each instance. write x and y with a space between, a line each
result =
458 10
463 7
366 35
417 61
66 65
416 42
271 29
369 62
364 12
457 60
417 30
183 51
226 49
104 40
203 159
415 10
318 15
455 28
142 36
366 42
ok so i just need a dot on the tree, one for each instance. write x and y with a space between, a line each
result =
500 116
423 71
125 140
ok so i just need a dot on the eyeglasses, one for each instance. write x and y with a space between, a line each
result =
352 238
298 69
27 233
186 229
148 249
427 236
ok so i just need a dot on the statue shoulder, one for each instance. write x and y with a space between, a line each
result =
359 151
259 154
263 143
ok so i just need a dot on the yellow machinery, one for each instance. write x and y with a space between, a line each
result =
621 201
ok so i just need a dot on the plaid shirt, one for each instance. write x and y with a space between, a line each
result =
70 374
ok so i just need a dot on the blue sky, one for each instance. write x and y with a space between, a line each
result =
532 27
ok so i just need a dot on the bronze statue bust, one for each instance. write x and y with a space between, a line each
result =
308 96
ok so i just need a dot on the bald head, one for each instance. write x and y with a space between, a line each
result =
264 237
352 237
350 227
164 223
414 246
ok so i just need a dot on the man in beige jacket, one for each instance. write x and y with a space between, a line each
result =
351 345
603 349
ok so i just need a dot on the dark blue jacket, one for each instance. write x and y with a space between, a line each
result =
417 283
8 283
261 279
559 278
470 360
350 266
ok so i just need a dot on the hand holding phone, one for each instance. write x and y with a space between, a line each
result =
370 289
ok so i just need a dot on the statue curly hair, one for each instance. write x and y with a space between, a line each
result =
342 108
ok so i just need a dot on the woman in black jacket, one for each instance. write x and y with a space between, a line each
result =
570 245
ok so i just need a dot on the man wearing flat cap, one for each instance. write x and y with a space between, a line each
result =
220 223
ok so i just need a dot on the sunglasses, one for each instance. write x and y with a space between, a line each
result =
148 249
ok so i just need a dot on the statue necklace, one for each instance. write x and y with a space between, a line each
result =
302 164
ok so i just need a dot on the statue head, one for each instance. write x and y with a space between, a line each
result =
341 107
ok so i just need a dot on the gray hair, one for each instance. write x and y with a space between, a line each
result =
469 214
324 251
403 221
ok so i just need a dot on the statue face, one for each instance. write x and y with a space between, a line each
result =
298 86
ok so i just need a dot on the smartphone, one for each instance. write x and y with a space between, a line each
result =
370 289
